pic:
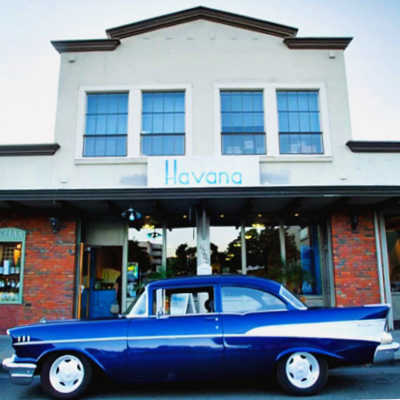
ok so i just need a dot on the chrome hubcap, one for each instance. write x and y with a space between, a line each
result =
66 373
302 370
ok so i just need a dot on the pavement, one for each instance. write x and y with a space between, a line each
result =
6 350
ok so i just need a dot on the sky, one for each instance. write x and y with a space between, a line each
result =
29 65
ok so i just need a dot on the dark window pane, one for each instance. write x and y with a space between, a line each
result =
314 122
243 144
313 101
163 144
107 115
163 113
300 117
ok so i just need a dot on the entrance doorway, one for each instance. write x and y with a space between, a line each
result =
393 256
101 279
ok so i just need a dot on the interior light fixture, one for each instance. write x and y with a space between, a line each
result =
184 216
148 226
296 214
131 214
221 215
257 225
259 215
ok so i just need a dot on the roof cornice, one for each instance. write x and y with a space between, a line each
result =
318 43
206 13
67 46
360 146
42 149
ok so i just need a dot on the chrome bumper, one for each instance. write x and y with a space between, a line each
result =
20 373
385 352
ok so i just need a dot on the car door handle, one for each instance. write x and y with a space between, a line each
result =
213 318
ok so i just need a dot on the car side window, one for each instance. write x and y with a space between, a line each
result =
183 301
236 299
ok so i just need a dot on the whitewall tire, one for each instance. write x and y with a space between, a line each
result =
65 376
302 373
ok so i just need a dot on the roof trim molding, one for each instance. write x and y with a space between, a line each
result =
363 146
210 14
42 149
69 46
198 193
318 43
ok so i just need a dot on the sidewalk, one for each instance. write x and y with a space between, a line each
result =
6 350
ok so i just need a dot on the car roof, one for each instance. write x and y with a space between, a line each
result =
241 280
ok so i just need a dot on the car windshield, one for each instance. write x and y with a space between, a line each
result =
292 299
138 307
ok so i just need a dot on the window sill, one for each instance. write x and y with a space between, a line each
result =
110 160
297 158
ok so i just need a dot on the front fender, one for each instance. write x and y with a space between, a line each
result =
308 349
72 350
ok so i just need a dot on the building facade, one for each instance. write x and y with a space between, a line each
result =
224 135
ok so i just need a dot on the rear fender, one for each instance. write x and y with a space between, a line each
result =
312 350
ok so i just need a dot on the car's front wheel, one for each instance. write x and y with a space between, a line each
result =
65 376
302 373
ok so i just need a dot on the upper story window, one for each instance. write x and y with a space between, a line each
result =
106 125
299 122
163 123
242 115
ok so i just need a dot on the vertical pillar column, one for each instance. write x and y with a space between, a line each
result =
203 243
164 248
243 248
124 267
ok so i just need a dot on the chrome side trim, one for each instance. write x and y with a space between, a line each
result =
118 338
70 341
20 373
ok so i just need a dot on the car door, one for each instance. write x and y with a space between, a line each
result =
246 315
180 339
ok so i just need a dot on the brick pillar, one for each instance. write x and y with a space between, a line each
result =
49 273
354 260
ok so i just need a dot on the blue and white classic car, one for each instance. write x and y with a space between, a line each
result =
203 327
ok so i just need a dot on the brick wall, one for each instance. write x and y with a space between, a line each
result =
354 260
49 274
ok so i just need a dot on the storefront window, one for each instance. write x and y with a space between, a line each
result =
181 252
295 261
12 254
225 249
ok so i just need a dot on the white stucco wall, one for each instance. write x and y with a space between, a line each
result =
201 57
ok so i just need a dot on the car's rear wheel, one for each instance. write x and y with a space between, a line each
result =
302 373
65 376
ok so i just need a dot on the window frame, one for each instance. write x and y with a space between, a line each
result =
271 121
153 313
323 120
258 133
15 235
144 91
316 133
85 135
134 126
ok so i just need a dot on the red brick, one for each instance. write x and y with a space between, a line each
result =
354 260
49 273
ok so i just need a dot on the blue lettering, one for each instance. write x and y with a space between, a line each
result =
211 178
223 174
173 177
184 175
237 178
198 178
